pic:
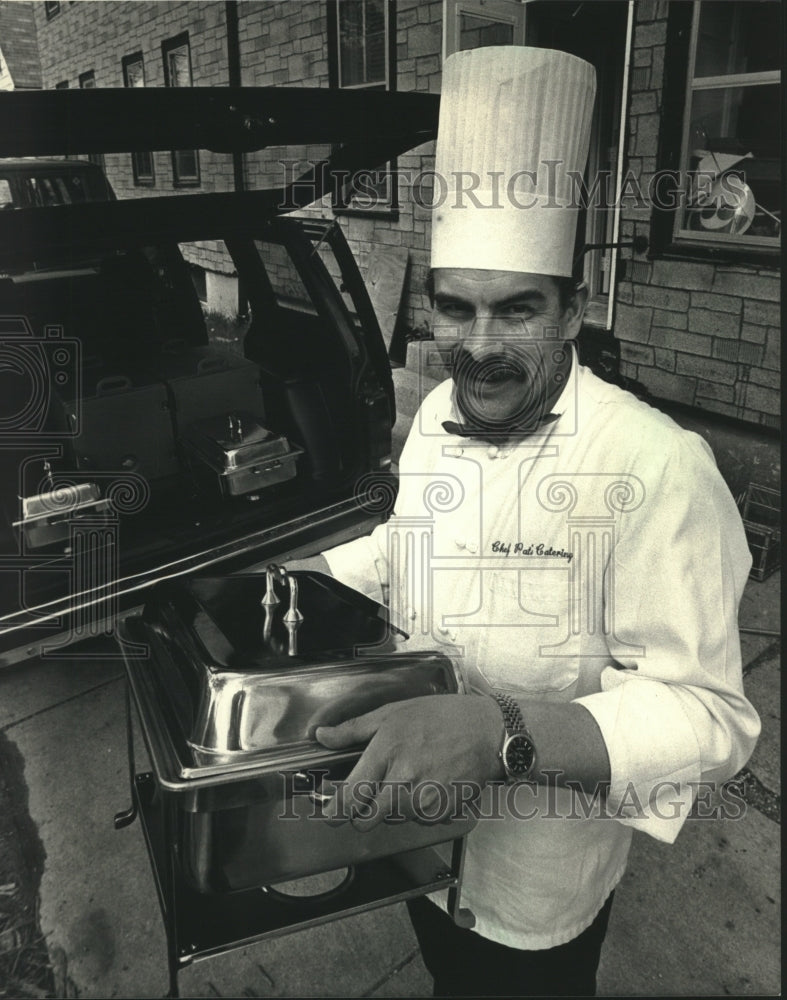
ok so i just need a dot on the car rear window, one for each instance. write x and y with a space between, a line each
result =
55 189
43 187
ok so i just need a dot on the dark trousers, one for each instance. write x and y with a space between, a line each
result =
463 963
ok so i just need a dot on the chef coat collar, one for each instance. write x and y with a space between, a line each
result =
564 406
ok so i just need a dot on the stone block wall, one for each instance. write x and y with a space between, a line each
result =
703 334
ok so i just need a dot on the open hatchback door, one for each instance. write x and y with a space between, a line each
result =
133 449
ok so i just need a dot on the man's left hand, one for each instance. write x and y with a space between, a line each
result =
424 757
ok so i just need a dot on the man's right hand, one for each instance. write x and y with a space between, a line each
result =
314 564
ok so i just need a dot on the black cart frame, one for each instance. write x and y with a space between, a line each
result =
199 925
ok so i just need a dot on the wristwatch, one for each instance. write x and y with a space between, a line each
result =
518 752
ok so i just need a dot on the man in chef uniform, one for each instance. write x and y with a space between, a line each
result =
575 551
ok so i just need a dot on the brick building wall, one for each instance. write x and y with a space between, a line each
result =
703 334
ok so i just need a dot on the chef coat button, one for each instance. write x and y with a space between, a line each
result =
493 451
460 543
472 547
443 629
412 613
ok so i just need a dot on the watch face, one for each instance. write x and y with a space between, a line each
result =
518 755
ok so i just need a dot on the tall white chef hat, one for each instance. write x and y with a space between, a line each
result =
514 122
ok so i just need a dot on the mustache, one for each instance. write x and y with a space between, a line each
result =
491 368
475 378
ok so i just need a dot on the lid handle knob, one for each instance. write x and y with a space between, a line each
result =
293 615
270 598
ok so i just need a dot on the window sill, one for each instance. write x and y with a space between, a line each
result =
596 313
765 257
391 214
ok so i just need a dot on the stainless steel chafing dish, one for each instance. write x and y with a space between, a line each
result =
48 517
235 453
240 672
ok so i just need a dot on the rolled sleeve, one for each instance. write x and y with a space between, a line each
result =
361 564
671 709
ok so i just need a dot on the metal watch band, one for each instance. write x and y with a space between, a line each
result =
518 753
513 719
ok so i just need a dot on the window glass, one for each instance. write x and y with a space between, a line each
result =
284 278
76 188
87 81
177 71
737 38
186 164
362 42
360 59
6 198
134 72
141 162
351 42
62 190
374 30
179 75
732 127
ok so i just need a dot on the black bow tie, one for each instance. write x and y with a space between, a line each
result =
497 436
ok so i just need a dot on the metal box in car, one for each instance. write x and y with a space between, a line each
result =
234 454
205 381
47 517
230 704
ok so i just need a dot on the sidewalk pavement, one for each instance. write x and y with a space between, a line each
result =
700 917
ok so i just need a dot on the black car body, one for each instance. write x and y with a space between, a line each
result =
106 367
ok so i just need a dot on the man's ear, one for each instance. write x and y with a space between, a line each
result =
575 311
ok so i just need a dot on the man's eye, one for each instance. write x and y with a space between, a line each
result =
520 309
454 310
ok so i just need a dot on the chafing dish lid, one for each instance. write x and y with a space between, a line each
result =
233 440
233 687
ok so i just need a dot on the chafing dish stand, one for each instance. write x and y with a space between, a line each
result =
200 922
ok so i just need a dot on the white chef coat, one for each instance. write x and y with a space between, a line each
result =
601 561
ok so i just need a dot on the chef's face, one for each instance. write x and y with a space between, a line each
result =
510 331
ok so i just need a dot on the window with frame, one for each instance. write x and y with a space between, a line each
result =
727 154
51 9
87 81
141 161
176 53
473 24
362 56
